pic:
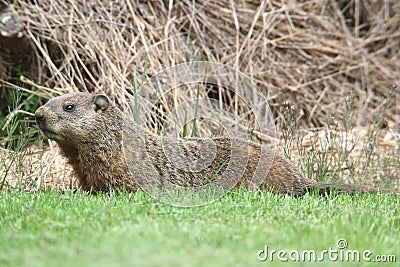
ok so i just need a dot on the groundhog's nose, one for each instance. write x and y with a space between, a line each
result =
39 116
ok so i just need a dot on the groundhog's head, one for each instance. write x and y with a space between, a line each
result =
74 118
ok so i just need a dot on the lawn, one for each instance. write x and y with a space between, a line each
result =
49 228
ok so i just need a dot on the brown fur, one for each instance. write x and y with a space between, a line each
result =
91 136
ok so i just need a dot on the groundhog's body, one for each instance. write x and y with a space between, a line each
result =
90 132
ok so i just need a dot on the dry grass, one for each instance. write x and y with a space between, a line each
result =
311 55
35 169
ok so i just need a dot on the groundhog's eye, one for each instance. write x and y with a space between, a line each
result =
69 108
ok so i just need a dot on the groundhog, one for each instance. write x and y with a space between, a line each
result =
91 132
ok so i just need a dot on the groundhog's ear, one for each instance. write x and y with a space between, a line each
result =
101 103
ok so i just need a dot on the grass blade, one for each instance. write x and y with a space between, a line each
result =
196 110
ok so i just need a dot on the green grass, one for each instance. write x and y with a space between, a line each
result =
48 228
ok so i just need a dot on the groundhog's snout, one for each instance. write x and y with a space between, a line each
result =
40 117
39 114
